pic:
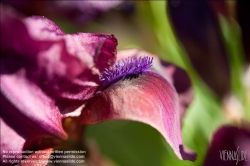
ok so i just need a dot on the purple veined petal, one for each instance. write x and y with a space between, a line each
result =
148 98
65 66
243 13
27 113
229 139
177 76
41 70
30 102
95 50
197 27
24 133
182 84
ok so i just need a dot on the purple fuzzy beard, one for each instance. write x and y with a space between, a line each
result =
124 68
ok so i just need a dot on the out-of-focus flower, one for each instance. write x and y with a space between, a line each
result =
198 30
229 141
196 24
77 11
46 75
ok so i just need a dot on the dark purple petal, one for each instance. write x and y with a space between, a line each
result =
231 139
197 28
147 98
243 13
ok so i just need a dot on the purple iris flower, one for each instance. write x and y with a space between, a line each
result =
48 76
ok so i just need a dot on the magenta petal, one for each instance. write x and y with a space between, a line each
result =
31 103
150 99
65 66
101 47
17 141
42 70
228 138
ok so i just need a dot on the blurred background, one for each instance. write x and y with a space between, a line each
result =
205 39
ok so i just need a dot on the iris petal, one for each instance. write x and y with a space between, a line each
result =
147 98
174 74
43 73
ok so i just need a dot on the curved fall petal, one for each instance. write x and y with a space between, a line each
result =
196 26
175 75
229 139
147 98
243 13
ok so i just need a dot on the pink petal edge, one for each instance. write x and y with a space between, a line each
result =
150 99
